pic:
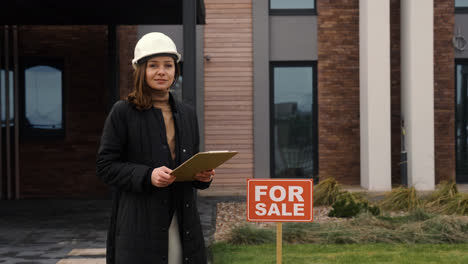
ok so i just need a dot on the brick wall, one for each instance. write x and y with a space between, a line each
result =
66 167
338 90
127 37
444 91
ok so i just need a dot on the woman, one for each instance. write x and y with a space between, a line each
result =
154 218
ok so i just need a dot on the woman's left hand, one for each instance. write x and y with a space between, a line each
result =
205 176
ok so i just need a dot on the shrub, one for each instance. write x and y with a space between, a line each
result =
345 206
401 198
326 192
349 205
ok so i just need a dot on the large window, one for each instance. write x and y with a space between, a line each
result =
293 120
461 120
292 7
42 94
461 6
461 3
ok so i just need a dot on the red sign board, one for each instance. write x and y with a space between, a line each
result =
277 200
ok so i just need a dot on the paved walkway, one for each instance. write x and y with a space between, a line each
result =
44 231
69 231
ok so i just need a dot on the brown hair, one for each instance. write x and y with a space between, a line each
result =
141 94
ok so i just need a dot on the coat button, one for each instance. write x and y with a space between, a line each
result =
187 232
187 205
164 229
183 150
164 147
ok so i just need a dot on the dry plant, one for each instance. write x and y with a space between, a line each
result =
457 205
444 193
401 198
326 192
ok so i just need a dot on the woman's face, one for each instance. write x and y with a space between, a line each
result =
160 72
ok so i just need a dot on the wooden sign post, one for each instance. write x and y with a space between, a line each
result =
278 200
279 242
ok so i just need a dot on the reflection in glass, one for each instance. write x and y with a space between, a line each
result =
293 122
3 96
43 97
176 90
461 122
292 4
461 3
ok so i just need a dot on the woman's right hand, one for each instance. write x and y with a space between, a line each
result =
160 177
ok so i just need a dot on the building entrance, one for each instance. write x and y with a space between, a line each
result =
59 76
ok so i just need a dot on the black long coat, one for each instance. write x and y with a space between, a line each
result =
133 143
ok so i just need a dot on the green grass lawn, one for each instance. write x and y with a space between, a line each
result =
351 253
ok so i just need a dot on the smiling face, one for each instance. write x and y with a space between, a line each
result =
160 72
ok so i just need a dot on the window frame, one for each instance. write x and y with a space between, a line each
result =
461 10
292 12
37 133
273 65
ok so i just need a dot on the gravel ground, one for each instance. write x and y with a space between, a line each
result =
233 214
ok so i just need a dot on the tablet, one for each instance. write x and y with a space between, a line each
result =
201 161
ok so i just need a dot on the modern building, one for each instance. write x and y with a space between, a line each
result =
301 88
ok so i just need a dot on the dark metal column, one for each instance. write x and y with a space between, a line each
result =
189 12
114 90
16 111
1 128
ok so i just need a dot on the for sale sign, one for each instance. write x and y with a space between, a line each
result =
275 200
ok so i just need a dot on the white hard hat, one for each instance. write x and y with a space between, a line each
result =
154 43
